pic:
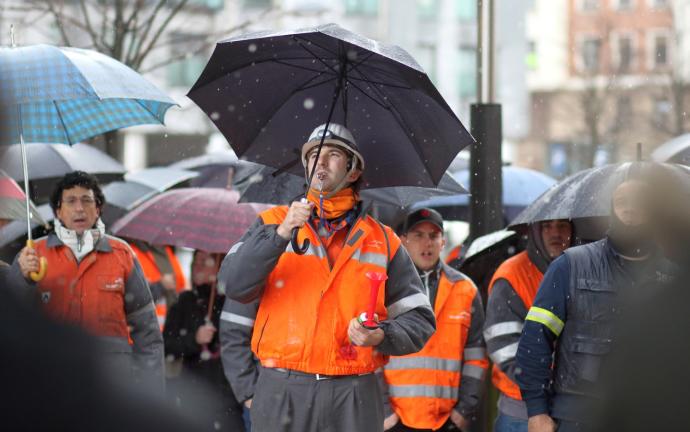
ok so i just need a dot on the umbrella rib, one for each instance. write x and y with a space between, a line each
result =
62 122
307 87
333 53
381 104
382 83
301 44
282 62
398 118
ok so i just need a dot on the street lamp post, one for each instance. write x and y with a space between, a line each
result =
486 203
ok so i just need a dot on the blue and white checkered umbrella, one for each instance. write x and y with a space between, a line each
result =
65 95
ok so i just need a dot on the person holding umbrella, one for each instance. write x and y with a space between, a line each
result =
511 293
191 334
318 360
438 388
95 281
577 306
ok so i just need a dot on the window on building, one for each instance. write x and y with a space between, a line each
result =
661 51
659 4
427 9
257 3
662 112
362 7
466 10
184 71
214 5
467 70
625 54
625 5
591 54
531 60
589 5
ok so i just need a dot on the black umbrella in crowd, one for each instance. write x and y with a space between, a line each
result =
264 187
267 91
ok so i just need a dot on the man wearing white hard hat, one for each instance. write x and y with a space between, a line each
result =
323 328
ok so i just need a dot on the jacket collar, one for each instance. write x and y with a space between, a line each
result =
103 245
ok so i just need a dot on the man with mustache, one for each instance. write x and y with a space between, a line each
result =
511 293
318 360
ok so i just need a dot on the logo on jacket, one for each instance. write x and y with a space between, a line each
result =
45 297
374 244
460 316
115 285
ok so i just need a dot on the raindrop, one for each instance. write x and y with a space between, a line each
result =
251 48
170 358
308 103
183 332
280 283
216 425
214 116
352 55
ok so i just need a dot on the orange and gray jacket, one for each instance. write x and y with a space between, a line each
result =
511 293
306 302
448 373
105 294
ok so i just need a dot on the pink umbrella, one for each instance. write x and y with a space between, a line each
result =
13 201
198 218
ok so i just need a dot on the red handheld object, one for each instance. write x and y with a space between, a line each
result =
375 280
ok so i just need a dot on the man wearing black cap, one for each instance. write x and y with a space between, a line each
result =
439 387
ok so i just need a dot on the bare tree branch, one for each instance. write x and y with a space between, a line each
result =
145 30
144 52
87 22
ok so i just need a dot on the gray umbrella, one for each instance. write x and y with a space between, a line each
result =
263 187
218 170
586 194
16 230
123 196
48 162
676 150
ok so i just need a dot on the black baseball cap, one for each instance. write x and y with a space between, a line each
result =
422 215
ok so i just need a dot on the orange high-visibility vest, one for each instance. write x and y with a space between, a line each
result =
151 271
306 305
423 387
525 278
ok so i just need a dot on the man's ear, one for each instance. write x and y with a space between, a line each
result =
354 176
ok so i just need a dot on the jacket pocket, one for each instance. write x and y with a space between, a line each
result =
589 355
110 294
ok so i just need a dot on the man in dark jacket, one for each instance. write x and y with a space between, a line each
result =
318 359
578 305
191 335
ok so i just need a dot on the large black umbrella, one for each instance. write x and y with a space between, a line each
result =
48 162
123 196
587 194
264 187
267 91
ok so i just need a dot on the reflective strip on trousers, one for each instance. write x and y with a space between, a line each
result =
407 304
401 363
547 318
411 391
503 329
478 353
473 371
237 319
504 354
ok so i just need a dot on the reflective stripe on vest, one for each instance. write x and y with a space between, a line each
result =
547 318
525 278
429 391
423 363
237 319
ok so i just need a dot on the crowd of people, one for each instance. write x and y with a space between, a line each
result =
277 335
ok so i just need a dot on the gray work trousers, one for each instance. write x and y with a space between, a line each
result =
292 402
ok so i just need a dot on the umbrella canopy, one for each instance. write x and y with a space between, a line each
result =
123 196
406 132
16 230
13 201
66 95
199 218
521 186
218 170
586 194
52 161
263 187
676 150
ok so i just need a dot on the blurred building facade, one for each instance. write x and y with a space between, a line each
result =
603 76
440 34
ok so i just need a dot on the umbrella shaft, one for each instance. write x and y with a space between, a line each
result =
25 168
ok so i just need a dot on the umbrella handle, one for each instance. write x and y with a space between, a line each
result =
42 266
299 250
